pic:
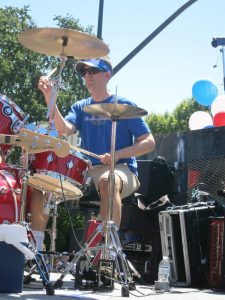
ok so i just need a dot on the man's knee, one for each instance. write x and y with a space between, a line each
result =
103 184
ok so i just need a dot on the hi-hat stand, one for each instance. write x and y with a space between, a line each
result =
51 209
107 254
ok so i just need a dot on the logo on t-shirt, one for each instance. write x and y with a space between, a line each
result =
95 120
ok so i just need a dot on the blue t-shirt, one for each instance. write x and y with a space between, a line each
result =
95 131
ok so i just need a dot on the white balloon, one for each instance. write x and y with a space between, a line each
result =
200 120
218 105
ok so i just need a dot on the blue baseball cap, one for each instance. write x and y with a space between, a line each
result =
96 63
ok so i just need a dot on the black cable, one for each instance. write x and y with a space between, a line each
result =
68 213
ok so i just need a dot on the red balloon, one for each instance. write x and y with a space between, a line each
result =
219 119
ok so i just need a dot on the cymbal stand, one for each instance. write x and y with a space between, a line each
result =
39 262
109 249
112 249
57 82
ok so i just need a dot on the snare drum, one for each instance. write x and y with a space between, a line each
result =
64 177
11 116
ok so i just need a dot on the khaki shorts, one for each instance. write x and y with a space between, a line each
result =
129 179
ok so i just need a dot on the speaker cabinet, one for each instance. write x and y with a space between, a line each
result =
156 179
184 237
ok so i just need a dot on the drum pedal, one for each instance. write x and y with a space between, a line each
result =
106 273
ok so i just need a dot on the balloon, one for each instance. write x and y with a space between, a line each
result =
204 92
219 119
200 120
218 105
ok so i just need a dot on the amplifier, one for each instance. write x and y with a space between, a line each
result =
216 252
184 239
145 256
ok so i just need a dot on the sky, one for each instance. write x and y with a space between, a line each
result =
162 74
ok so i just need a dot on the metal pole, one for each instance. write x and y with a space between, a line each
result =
100 18
151 36
111 190
222 50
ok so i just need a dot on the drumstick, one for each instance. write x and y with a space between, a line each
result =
84 151
51 73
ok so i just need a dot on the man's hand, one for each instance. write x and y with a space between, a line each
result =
105 159
45 85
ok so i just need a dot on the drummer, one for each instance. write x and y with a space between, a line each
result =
133 137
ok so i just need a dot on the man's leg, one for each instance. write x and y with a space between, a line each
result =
125 184
39 219
104 197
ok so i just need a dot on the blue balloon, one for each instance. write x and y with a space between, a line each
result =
204 92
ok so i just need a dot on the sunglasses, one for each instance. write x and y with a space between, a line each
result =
91 71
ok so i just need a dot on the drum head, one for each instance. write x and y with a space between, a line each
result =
53 185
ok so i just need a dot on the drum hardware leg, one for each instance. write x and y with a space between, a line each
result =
40 266
53 230
51 255
90 254
24 197
38 259
103 271
112 249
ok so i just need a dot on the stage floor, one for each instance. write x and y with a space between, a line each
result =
35 291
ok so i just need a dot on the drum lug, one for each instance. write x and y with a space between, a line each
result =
70 164
17 191
7 110
3 190
32 157
87 178
50 158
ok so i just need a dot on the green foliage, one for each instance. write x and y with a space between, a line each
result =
21 69
177 121
65 222
19 66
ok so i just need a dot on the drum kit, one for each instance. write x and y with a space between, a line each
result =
54 165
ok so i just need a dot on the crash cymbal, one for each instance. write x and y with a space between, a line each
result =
63 42
114 110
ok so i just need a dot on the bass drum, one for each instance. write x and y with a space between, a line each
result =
10 193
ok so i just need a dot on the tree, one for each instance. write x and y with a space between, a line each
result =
20 71
21 67
177 121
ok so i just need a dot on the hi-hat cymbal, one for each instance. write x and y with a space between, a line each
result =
114 110
63 42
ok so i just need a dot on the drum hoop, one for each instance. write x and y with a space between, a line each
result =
58 176
12 103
